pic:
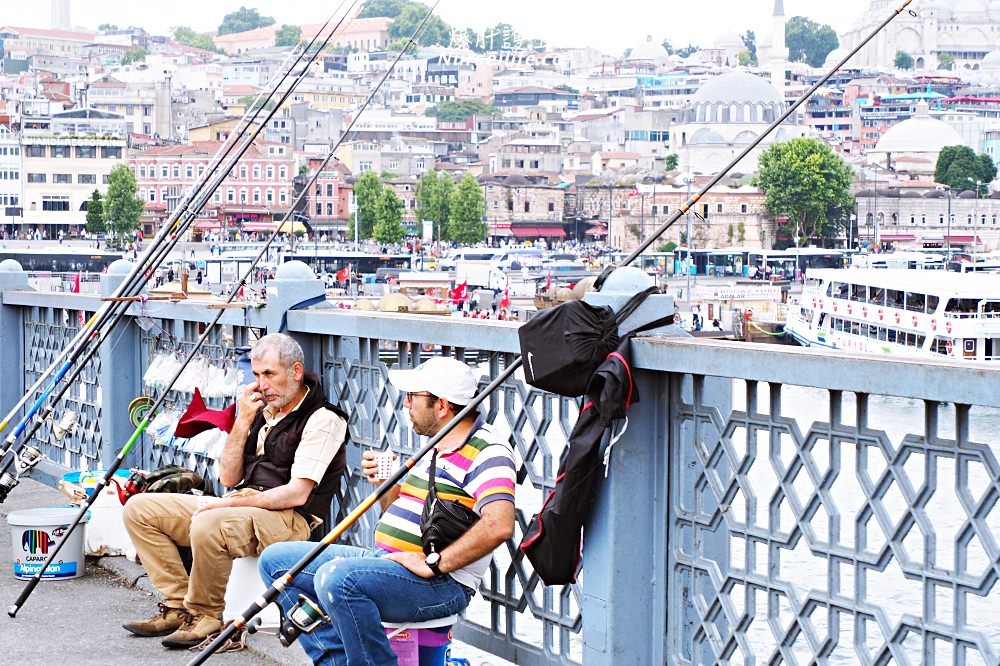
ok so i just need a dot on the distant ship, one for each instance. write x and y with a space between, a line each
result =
905 313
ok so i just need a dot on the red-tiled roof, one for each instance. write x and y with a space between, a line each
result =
52 34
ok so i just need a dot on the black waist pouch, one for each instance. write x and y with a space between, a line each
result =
442 522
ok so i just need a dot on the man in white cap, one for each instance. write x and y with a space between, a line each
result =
359 588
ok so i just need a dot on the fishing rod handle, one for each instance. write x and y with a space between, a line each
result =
25 593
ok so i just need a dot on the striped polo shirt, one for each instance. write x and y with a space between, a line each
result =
480 472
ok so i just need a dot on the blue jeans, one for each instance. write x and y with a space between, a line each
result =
359 590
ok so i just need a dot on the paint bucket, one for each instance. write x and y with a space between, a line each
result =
421 647
36 532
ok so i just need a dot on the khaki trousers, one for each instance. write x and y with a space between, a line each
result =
159 522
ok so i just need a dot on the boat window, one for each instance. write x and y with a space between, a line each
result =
876 295
859 292
838 324
894 298
921 339
962 305
864 330
882 335
873 332
891 335
822 318
855 328
970 346
940 346
838 290
916 302
932 303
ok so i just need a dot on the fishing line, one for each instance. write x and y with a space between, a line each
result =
119 459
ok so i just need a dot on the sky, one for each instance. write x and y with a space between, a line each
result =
609 25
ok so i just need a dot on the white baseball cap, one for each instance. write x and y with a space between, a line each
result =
442 376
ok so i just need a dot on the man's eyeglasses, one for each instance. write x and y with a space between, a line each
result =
410 395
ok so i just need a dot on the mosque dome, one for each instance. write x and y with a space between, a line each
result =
991 59
648 50
834 57
729 40
737 87
919 134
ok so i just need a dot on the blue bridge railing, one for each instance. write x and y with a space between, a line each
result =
765 504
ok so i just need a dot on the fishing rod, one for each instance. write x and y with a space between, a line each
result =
680 212
271 594
171 227
144 423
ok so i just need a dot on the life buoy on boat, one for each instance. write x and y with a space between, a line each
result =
933 324
880 314
948 347
426 347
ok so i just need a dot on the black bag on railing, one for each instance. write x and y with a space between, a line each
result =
564 345
442 522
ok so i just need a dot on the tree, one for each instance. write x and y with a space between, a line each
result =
946 61
460 110
903 60
435 30
254 102
107 27
244 19
288 35
388 226
465 221
750 41
809 42
957 164
670 162
367 192
189 37
805 181
95 214
389 8
122 208
434 200
135 55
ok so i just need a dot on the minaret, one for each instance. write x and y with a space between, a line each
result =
779 52
60 15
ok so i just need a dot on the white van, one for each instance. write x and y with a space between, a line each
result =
466 254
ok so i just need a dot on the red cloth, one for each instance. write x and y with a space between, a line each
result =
344 274
505 301
460 292
76 285
199 418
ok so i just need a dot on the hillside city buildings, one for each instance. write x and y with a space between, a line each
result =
583 146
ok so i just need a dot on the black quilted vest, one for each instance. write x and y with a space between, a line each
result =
274 468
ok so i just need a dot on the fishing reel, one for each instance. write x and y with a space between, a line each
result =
65 425
302 618
23 463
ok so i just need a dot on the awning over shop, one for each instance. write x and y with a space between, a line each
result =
964 239
897 237
207 225
539 232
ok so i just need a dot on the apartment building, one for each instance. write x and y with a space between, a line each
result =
10 176
65 157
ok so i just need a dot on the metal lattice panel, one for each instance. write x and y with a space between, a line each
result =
801 534
46 333
513 606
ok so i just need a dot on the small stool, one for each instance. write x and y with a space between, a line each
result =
421 643
243 589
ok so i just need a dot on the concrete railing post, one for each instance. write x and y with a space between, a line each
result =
120 376
12 333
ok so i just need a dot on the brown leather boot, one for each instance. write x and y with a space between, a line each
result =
166 621
193 632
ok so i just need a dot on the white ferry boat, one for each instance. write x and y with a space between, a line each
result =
907 313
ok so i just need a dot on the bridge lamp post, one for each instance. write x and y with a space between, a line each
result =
974 234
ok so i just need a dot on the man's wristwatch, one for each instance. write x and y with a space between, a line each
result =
432 561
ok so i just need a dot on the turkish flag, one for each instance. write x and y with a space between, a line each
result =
344 274
634 193
548 282
460 292
505 301
76 285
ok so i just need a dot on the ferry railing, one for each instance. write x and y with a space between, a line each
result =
764 503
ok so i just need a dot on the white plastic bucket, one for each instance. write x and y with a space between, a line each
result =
36 532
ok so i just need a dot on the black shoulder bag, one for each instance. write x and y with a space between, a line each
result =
442 522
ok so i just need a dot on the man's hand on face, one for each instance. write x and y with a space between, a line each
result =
251 402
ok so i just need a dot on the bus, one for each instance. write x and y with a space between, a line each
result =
61 259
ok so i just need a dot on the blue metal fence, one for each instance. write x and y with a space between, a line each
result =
765 504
